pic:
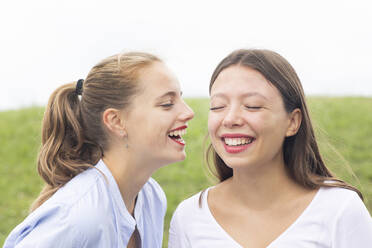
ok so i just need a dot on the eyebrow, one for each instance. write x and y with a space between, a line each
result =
248 94
169 93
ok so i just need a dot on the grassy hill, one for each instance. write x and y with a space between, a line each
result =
343 127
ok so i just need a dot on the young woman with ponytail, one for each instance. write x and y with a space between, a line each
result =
102 139
274 189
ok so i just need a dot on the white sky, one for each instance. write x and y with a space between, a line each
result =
46 43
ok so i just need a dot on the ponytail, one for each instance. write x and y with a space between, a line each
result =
65 151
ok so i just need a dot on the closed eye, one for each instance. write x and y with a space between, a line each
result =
253 107
215 108
167 105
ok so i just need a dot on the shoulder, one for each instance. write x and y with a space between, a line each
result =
58 207
335 202
93 203
197 204
347 204
83 196
48 218
340 199
73 213
338 192
192 203
85 184
334 208
192 208
349 222
344 209
190 216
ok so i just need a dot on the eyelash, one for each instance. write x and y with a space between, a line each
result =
253 107
248 107
167 105
215 108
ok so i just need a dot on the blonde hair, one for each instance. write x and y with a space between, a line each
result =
73 135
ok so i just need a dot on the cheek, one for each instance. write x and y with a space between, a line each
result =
256 122
275 127
149 129
213 123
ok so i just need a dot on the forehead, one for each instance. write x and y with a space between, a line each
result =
157 79
241 81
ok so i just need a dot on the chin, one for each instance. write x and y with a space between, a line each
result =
235 163
174 159
181 157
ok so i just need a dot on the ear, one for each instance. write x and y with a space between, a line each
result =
113 121
295 119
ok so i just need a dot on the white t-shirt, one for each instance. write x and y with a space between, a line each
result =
336 217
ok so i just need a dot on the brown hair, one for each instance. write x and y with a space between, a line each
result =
73 135
301 153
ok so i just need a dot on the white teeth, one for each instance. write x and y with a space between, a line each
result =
178 132
237 141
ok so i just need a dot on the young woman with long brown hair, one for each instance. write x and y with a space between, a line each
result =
274 189
102 139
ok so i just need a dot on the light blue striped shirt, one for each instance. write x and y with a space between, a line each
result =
90 212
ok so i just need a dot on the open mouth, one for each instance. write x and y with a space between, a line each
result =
237 141
176 135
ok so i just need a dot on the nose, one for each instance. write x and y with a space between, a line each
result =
233 118
187 113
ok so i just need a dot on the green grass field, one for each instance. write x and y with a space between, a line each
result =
343 127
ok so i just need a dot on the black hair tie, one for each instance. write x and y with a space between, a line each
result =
79 87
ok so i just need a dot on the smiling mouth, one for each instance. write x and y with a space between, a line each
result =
240 141
236 143
176 135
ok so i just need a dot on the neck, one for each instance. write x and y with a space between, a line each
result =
262 187
128 174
